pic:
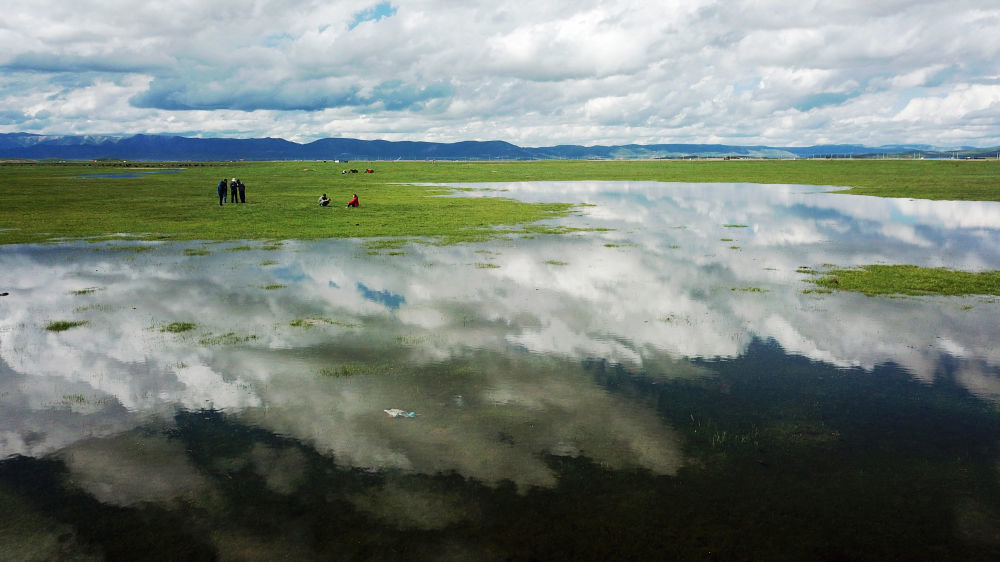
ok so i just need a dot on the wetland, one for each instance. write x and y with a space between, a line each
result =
642 369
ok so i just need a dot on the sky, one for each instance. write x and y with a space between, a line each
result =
746 72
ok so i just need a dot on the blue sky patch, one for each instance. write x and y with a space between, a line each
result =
292 274
387 298
375 13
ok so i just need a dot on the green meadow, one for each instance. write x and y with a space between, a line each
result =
52 202
910 280
45 202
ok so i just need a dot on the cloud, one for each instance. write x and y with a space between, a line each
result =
583 72
131 469
39 62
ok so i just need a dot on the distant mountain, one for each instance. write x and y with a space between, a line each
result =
175 148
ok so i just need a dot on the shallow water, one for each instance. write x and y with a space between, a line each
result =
660 385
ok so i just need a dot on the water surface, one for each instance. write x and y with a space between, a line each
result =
662 383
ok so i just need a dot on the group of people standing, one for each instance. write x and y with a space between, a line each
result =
236 189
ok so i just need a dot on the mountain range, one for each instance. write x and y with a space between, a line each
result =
177 148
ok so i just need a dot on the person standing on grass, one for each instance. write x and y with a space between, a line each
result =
223 188
233 191
243 191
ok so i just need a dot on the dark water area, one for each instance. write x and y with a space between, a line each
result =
664 385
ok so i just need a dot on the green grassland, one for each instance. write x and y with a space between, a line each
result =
910 280
43 202
51 202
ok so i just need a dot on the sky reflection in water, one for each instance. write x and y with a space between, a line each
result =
488 344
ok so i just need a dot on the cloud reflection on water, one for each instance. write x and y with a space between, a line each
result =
488 357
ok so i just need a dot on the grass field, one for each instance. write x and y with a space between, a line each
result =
910 280
44 202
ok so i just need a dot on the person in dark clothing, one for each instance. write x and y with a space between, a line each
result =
324 200
223 188
243 191
354 202
233 191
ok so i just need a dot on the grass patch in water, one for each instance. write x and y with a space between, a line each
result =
349 370
63 325
273 287
817 291
735 225
226 339
410 340
196 252
556 262
135 249
749 289
319 321
487 266
913 280
178 327
95 307
87 291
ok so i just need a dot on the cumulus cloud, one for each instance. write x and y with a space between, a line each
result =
584 72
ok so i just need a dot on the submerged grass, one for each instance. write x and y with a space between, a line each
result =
281 196
910 280
230 338
87 291
350 370
321 321
749 289
63 325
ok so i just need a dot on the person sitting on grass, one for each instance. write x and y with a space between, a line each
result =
354 202
324 200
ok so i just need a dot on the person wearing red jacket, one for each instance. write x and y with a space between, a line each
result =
354 202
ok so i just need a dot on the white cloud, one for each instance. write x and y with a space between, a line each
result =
584 72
